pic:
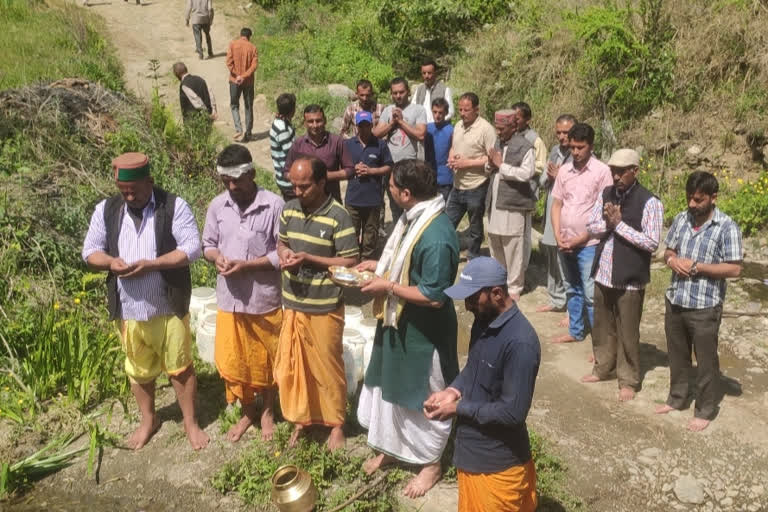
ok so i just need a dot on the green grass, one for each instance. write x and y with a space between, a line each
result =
551 474
47 41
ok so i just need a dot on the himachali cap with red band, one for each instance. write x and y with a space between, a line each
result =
131 167
504 116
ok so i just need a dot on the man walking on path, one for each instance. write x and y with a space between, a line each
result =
316 232
404 126
145 238
195 96
628 219
242 61
280 141
240 239
325 146
473 140
578 186
703 249
365 197
431 89
491 396
366 100
200 13
437 146
559 155
511 200
414 349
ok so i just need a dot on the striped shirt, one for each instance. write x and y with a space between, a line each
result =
280 141
143 297
716 241
328 232
646 240
348 126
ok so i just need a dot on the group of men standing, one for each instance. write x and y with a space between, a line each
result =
281 317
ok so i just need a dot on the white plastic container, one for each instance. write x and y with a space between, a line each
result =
352 317
208 309
368 330
349 371
206 337
200 297
354 343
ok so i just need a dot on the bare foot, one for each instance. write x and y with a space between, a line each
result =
565 338
591 358
336 440
664 409
698 424
141 436
197 438
374 464
298 431
267 424
238 429
626 394
545 308
590 378
424 481
565 322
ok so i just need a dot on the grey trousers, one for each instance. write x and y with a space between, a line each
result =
616 335
694 330
556 284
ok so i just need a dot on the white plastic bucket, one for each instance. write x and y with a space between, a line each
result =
368 330
200 297
354 342
206 337
352 316
349 370
208 309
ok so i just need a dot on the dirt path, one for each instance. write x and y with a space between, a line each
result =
155 30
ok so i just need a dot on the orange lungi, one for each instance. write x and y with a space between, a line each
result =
246 346
310 370
511 490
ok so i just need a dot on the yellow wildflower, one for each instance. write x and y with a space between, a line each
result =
277 453
77 301
740 181
21 401
56 306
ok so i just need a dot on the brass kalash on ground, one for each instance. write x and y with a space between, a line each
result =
293 490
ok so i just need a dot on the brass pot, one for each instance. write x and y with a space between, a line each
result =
293 490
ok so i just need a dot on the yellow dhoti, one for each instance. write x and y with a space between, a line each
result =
246 347
310 370
511 490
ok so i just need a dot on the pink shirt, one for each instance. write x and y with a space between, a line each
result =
579 191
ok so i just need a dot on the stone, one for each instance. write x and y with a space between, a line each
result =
726 502
648 461
694 150
689 490
757 489
651 452
340 91
753 307
666 487
732 493
336 124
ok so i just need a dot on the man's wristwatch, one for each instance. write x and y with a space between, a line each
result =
693 270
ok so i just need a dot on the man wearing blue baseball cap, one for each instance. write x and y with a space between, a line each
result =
491 396
364 198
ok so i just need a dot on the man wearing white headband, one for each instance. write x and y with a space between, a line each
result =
240 239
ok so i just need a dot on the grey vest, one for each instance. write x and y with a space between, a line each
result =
513 195
437 91
177 280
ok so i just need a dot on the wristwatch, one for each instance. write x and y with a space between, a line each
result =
693 270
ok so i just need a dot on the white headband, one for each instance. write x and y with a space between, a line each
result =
235 171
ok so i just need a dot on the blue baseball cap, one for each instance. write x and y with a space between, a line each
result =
363 115
480 272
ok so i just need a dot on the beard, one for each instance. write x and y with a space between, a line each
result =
702 211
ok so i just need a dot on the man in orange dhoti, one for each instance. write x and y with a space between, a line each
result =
316 232
240 238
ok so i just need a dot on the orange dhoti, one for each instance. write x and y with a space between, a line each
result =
246 346
511 490
309 368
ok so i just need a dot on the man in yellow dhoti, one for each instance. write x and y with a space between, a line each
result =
316 232
240 238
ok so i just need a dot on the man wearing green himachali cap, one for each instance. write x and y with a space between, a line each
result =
145 238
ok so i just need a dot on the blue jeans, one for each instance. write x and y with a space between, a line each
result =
577 267
471 202
445 190
234 104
